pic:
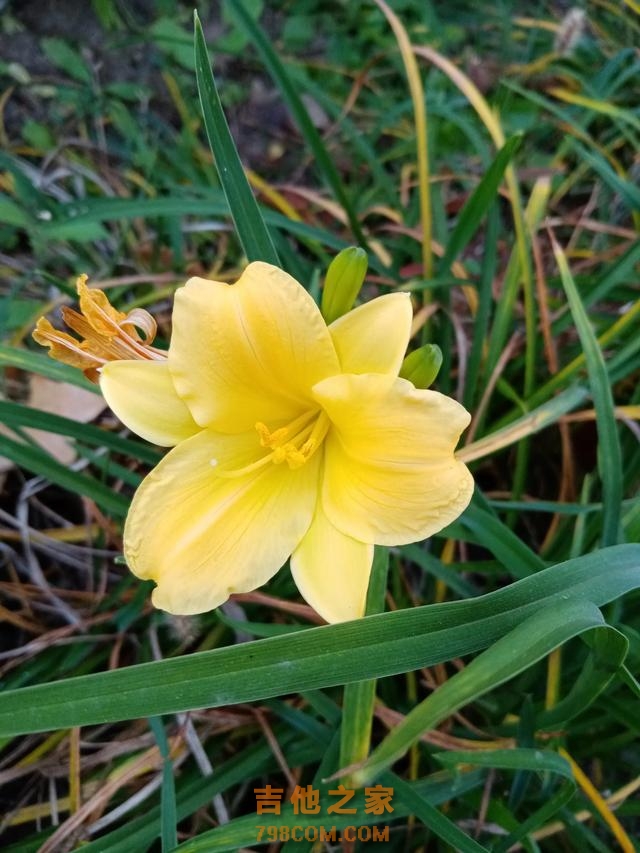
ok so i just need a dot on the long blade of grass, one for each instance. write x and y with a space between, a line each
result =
208 202
608 336
298 110
520 268
39 462
473 388
36 362
479 202
252 231
437 822
609 453
530 641
373 647
597 106
512 552
13 414
168 820
594 676
526 426
538 819
626 189
520 759
590 790
241 832
420 119
245 765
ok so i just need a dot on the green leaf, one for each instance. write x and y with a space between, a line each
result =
236 40
519 758
37 135
433 566
438 823
512 552
67 59
609 453
241 832
247 764
38 362
518 272
373 647
298 111
83 232
473 387
11 213
479 203
539 817
39 462
208 203
168 831
13 414
173 41
536 419
252 232
532 639
608 651
626 189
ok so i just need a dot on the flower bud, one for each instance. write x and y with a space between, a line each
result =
343 282
422 365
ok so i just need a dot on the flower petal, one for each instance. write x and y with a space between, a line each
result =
143 396
373 338
390 472
202 537
250 351
332 570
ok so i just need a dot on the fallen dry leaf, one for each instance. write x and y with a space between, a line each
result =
57 398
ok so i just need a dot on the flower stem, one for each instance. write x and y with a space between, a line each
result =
359 697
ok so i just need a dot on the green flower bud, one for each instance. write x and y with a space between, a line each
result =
422 365
343 282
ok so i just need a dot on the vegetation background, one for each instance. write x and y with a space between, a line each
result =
532 130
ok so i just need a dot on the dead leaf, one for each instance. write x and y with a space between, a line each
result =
57 398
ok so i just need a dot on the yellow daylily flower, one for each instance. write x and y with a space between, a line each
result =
292 438
106 334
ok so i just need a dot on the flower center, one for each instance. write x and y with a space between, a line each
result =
294 443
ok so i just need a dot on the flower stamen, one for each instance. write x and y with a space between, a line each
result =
318 434
279 436
294 444
246 469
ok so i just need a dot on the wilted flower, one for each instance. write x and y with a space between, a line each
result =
106 334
